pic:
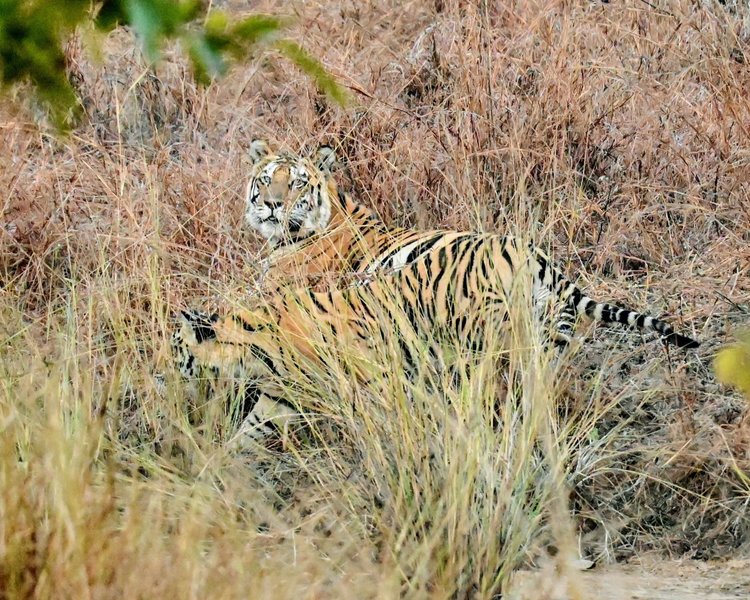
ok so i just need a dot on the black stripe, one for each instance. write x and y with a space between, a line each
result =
356 265
318 305
542 267
469 268
203 332
442 262
360 329
461 326
391 253
411 315
408 356
363 305
574 298
342 199
681 341
263 356
412 284
246 326
346 297
483 268
423 247
506 257
280 400
605 318
201 324
250 396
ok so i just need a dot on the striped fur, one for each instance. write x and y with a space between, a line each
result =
439 287
351 243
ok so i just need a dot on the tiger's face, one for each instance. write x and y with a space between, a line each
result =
288 196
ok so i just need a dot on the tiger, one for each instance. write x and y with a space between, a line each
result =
439 287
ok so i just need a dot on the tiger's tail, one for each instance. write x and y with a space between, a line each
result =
578 303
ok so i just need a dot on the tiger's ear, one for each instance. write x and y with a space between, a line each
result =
259 149
325 159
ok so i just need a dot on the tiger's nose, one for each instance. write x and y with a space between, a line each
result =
273 203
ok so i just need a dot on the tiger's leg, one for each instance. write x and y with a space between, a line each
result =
563 328
232 365
262 414
266 347
555 319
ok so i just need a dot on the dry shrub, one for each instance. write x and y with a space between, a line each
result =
618 131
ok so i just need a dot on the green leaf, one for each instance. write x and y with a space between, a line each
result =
240 39
32 34
208 62
257 28
157 20
110 15
189 10
149 23
217 23
313 69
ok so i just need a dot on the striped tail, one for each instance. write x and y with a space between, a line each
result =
579 303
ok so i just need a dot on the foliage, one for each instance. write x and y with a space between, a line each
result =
732 364
33 32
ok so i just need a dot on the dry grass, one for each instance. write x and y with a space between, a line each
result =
620 131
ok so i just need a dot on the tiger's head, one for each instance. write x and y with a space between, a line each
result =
289 196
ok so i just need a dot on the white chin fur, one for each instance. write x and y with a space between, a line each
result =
266 230
271 232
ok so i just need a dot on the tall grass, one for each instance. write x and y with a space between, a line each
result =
620 128
395 483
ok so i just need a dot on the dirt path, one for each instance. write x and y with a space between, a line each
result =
652 580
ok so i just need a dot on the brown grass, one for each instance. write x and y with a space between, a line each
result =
617 134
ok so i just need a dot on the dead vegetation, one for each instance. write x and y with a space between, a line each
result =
619 131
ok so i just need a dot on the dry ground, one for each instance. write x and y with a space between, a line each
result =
649 580
620 131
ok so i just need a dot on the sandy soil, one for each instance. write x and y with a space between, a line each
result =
645 580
